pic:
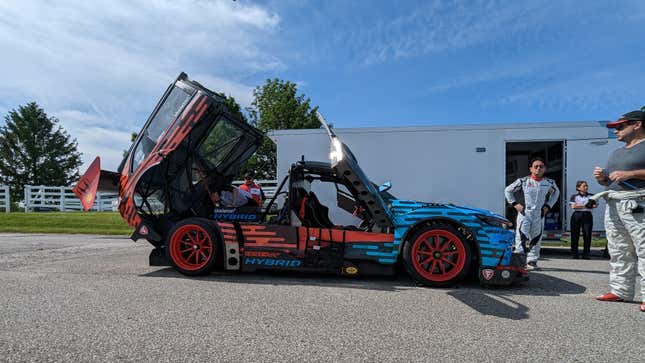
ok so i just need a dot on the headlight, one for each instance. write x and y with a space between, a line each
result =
496 221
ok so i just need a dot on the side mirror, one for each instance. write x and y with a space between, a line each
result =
385 187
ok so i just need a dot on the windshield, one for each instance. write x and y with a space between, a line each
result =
167 113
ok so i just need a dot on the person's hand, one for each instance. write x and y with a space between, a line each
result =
519 208
545 210
620 175
599 174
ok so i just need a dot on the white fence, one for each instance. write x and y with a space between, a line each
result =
46 198
5 201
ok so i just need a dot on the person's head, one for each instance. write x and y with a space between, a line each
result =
629 126
582 186
537 167
248 178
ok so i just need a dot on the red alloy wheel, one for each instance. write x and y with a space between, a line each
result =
191 247
438 255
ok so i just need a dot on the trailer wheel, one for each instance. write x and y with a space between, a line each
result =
193 247
437 255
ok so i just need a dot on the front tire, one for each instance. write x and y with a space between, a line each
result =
193 247
437 255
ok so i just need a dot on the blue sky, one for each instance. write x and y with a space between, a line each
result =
100 66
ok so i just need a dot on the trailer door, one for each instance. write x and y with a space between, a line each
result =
582 157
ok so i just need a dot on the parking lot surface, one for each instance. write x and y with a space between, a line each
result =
94 298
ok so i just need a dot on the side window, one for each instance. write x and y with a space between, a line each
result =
328 196
172 106
219 143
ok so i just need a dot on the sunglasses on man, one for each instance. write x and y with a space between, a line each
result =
622 126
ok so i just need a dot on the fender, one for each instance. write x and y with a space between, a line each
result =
470 235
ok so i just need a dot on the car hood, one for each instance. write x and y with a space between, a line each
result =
401 207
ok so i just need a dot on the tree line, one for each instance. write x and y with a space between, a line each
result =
36 150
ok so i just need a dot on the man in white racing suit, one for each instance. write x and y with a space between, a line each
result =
624 177
540 194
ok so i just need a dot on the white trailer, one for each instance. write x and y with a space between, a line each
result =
466 165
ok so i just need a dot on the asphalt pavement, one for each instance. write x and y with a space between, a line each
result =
94 298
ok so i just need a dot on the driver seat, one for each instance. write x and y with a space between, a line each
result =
315 213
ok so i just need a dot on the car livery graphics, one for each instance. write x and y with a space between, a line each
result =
192 146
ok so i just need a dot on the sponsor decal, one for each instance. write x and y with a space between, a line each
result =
351 270
487 274
272 262
506 274
261 254
245 217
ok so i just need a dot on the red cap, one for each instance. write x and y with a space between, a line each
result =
630 116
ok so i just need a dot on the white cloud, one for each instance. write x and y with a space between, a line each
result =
105 63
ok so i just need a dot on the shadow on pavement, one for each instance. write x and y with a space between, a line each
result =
496 301
396 283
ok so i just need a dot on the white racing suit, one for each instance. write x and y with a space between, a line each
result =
625 228
530 223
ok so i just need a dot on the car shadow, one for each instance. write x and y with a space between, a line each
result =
497 301
492 301
399 282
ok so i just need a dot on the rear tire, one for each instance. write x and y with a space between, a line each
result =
194 247
437 255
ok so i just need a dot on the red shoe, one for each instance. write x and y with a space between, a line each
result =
610 296
643 307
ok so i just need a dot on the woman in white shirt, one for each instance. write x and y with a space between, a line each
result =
581 219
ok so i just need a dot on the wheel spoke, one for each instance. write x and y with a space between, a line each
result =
448 261
190 256
446 245
426 260
428 246
442 267
425 253
190 236
186 250
203 255
434 262
448 253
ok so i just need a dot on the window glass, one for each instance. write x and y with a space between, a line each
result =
168 112
220 142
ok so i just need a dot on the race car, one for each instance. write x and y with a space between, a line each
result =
192 146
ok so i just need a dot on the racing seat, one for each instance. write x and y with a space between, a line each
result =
316 214
309 209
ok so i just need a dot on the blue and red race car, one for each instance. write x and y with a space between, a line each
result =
191 147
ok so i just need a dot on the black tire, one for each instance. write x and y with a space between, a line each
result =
437 255
194 247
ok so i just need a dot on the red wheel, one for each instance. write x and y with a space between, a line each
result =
193 247
437 255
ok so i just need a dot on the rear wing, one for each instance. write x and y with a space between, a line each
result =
95 180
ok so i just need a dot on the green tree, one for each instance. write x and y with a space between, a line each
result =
233 106
35 150
277 106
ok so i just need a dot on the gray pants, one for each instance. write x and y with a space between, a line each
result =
625 227
530 226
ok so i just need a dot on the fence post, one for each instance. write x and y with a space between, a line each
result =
61 203
26 192
98 200
7 205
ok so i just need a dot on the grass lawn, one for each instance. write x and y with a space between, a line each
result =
70 222
566 242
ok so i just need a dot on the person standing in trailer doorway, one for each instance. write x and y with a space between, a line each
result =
581 219
540 194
